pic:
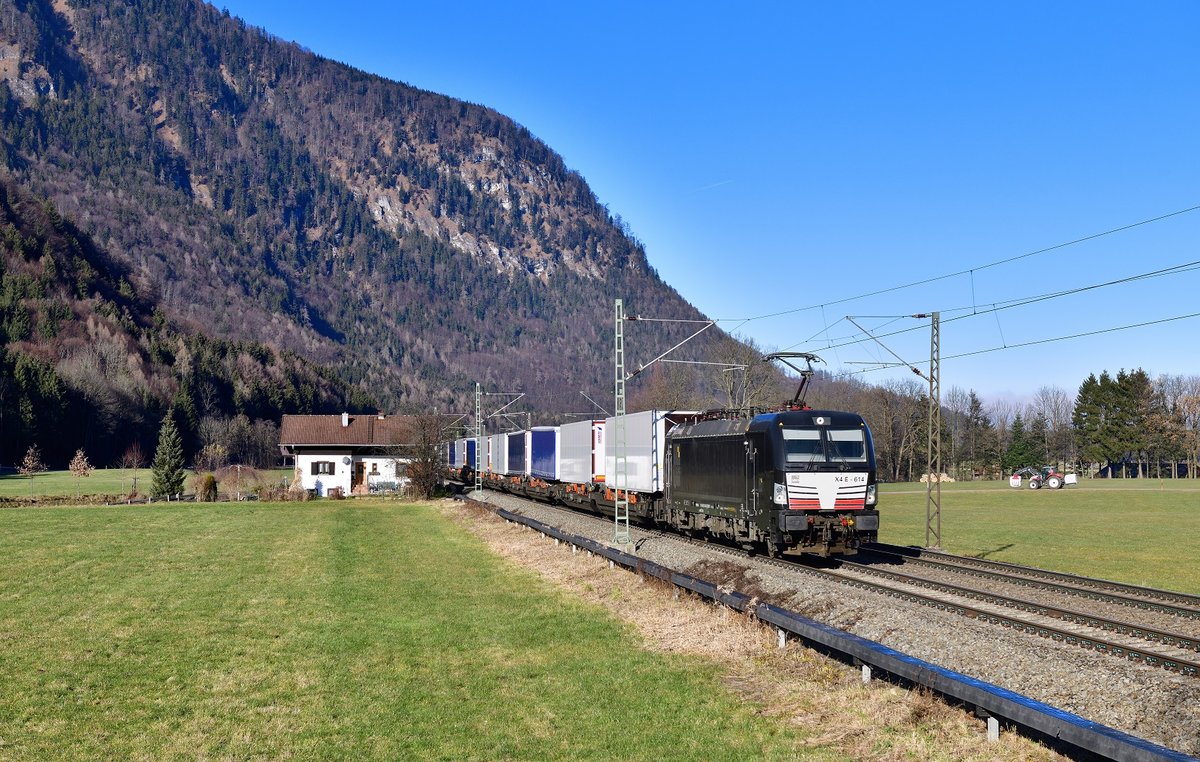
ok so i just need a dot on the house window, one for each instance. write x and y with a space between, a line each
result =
401 469
322 467
375 469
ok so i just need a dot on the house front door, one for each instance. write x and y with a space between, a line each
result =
360 471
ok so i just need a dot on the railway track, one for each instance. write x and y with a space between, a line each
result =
1132 640
1148 598
1160 648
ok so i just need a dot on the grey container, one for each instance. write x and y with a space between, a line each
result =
645 440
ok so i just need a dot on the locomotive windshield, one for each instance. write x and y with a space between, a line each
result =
824 446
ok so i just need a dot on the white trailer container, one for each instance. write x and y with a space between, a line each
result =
497 453
581 452
645 442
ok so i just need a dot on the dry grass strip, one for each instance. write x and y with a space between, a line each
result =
795 685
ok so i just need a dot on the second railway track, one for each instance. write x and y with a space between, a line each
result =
1153 599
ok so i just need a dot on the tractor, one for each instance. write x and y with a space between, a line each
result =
1048 477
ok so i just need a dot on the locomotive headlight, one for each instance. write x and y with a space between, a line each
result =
870 494
780 494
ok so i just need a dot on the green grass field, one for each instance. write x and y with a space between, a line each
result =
1141 531
102 481
348 629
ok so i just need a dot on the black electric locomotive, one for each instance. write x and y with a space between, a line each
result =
790 480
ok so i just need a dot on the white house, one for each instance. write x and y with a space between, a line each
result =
359 454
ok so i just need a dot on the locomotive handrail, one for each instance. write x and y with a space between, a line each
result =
1023 711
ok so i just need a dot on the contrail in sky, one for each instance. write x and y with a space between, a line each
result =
710 187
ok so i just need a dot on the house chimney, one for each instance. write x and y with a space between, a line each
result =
345 420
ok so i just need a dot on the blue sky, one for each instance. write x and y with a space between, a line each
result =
780 156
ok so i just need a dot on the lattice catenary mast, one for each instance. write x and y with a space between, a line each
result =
478 443
933 484
620 464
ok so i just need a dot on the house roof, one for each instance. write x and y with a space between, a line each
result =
365 430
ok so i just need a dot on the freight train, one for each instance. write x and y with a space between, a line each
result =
794 480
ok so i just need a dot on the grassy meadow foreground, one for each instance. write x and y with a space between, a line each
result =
383 629
1140 531
347 629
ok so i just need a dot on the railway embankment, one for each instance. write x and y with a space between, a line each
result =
1132 695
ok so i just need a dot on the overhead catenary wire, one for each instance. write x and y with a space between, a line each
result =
972 270
1018 302
974 310
889 349
1083 334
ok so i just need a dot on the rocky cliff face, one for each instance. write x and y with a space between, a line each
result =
255 190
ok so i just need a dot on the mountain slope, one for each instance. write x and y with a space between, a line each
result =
85 361
255 190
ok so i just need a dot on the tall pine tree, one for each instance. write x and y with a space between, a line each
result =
1111 419
1022 448
1092 420
1135 402
981 447
168 460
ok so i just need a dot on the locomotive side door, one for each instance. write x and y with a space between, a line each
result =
759 488
752 495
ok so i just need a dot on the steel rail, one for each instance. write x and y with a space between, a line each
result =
1188 602
1060 726
1123 650
1036 582
1127 629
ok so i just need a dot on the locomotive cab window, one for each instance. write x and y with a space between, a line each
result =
847 445
803 445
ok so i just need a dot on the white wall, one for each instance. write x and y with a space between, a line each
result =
322 483
383 466
381 469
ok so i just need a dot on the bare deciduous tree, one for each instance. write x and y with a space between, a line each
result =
133 457
1002 413
747 380
1055 406
254 443
32 464
956 409
212 456
1189 409
666 386
80 468
421 455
